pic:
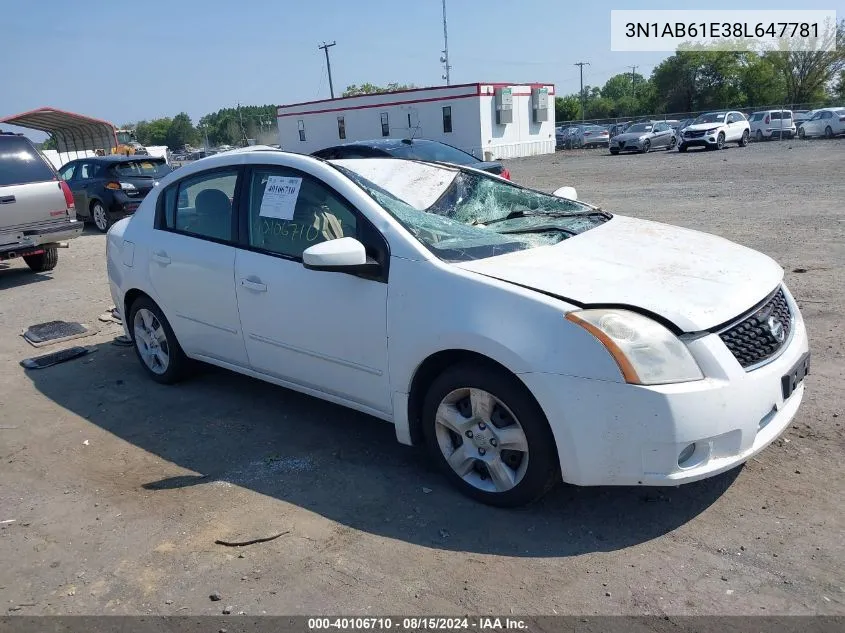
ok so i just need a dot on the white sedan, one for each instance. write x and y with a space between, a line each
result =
523 337
827 122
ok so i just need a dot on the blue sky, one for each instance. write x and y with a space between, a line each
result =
127 61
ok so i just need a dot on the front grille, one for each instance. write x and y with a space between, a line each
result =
761 335
622 144
694 134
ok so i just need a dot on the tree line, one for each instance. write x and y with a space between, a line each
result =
699 79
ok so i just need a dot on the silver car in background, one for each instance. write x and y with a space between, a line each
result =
37 212
643 137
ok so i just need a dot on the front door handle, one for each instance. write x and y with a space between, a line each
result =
161 257
254 285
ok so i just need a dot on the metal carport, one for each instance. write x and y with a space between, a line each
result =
71 132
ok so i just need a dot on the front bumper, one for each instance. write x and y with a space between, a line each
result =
708 140
630 146
612 433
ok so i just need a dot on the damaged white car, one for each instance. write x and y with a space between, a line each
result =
523 337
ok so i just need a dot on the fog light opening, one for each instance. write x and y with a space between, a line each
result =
685 457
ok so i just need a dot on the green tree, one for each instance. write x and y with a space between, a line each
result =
839 87
621 86
370 89
808 73
49 143
181 131
761 82
153 132
567 108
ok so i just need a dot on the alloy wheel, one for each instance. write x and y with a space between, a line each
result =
481 440
151 341
101 221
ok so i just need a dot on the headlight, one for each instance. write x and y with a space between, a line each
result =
642 138
711 130
646 352
127 186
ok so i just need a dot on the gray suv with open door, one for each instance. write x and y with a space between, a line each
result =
37 212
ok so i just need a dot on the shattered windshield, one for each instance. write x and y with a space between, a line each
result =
710 117
462 215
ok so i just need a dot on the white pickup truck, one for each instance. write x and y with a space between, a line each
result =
37 214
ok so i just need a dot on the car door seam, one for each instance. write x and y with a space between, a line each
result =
346 363
206 323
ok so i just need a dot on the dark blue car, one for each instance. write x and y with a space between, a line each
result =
108 188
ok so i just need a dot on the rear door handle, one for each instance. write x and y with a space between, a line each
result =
7 199
161 257
255 285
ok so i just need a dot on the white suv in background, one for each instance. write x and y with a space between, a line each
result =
714 129
772 124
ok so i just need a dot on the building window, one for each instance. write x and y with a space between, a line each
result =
341 128
301 125
447 119
385 125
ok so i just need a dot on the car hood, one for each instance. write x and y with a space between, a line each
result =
630 136
702 126
694 280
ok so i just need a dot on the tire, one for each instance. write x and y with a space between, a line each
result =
743 141
759 136
720 141
146 318
682 148
646 147
515 477
615 152
100 216
672 144
801 133
828 132
43 262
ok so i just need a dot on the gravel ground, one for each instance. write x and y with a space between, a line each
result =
119 487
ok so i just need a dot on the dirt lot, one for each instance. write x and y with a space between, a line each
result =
119 487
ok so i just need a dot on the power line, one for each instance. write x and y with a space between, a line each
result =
325 47
583 105
445 57
633 81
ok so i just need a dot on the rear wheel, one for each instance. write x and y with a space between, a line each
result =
100 216
828 132
743 141
43 262
759 136
155 343
489 435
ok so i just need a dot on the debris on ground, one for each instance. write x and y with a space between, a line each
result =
215 597
54 358
251 541
52 332
122 341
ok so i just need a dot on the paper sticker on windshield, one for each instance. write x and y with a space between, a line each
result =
280 196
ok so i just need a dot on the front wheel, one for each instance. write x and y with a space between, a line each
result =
744 140
646 146
828 132
155 343
682 148
801 133
614 152
488 434
43 262
672 143
720 141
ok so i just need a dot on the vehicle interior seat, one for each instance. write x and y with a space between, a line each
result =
214 214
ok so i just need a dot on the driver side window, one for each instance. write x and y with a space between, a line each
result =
290 211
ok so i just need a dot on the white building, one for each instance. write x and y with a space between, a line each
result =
491 121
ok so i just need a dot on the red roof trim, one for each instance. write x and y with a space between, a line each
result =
376 105
477 86
47 110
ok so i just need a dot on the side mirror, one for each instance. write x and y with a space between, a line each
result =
567 193
345 254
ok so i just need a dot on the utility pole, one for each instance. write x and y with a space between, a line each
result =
633 80
583 96
325 47
444 58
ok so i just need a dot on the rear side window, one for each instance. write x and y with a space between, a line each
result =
775 116
20 163
202 205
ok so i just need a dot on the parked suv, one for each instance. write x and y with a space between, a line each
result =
714 129
36 208
772 124
108 188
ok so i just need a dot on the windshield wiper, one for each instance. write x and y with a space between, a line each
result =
549 214
545 228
